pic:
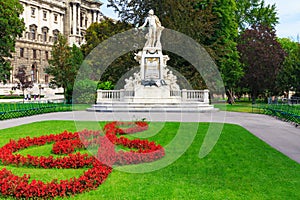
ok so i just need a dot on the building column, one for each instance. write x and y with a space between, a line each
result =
74 19
94 16
62 16
70 17
98 16
78 19
83 20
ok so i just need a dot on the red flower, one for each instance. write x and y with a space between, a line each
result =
67 143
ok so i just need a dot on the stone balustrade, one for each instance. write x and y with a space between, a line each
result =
186 95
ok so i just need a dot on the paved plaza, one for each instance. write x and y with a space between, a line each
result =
281 135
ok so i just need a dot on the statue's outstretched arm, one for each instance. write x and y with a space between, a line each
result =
146 21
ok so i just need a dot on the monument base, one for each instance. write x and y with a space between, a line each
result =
153 99
152 107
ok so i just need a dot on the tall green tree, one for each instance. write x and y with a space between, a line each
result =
24 81
11 27
255 12
262 57
211 23
289 77
97 33
225 46
64 65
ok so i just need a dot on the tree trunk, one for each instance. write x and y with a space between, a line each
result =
230 94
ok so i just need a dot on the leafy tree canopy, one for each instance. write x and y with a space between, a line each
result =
11 27
97 33
210 22
64 65
262 57
289 76
255 12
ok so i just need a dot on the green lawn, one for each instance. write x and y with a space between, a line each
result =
239 107
239 167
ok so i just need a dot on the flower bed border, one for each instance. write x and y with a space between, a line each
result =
66 142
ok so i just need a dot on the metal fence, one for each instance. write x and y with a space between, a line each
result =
286 112
15 110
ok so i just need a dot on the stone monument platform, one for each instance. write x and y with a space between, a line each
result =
154 87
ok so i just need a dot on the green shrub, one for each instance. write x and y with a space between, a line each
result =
84 92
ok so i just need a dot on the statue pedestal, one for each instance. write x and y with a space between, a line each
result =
155 95
154 88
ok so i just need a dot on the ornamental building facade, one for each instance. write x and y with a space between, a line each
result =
44 20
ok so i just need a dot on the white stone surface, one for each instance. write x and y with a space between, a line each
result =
154 87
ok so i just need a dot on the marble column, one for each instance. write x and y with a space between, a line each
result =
83 20
70 17
98 16
94 16
74 19
78 19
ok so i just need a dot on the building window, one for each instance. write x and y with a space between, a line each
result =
32 12
46 78
55 18
33 31
34 53
33 34
21 52
45 15
45 34
46 55
55 35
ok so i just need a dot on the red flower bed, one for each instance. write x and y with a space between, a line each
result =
67 143
114 127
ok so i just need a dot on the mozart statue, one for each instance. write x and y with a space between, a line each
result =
155 29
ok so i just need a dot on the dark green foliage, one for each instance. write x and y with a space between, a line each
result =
64 65
24 80
84 92
289 77
105 85
210 23
262 57
255 12
11 27
99 32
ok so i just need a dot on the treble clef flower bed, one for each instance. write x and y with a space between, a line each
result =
98 166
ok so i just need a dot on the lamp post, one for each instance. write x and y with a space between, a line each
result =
40 88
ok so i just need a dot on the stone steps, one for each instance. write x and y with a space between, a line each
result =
153 107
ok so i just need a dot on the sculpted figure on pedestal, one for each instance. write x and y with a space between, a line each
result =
155 29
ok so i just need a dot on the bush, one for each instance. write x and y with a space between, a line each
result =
84 91
11 96
107 85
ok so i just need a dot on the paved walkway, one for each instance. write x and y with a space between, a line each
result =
278 134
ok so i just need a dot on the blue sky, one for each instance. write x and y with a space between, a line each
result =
288 13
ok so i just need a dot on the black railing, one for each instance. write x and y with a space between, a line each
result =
286 112
16 110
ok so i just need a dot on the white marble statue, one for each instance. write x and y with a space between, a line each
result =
137 79
129 84
155 29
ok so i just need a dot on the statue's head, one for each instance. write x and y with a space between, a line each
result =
151 12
